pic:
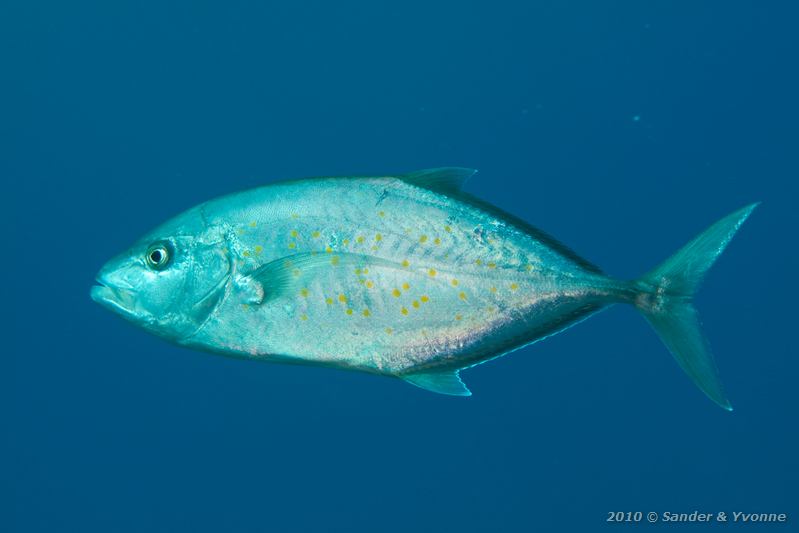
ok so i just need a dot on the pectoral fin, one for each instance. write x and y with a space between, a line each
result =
447 382
288 275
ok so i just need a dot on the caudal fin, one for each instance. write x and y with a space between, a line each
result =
665 299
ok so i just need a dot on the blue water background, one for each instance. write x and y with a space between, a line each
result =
623 128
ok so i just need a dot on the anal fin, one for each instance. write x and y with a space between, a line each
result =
446 382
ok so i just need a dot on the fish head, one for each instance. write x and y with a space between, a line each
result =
170 280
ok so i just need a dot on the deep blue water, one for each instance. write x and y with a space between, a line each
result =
623 128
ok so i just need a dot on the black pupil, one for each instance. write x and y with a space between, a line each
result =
156 256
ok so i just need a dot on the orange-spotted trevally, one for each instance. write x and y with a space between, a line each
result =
404 276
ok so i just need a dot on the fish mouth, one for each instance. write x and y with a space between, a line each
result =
113 298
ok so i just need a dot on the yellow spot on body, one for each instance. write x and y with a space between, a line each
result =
447 229
369 284
294 233
405 263
462 295
296 272
359 240
374 248
406 286
424 298
365 270
253 224
303 317
492 265
423 239
334 260
315 234
304 293
528 268
328 249
240 231
258 248
493 289
514 286
415 303
396 293
246 253
342 298
478 262
295 216
378 237
348 311
366 312
458 317
404 311
381 213
454 282
246 307
437 241
345 242
329 301
292 245
389 331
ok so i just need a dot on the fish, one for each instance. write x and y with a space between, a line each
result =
405 275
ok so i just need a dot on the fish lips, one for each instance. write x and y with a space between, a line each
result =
115 299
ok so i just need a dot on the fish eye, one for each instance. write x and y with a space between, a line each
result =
158 256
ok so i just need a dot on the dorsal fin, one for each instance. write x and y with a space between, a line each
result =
446 180
443 382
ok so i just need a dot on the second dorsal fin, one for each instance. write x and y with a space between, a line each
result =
446 180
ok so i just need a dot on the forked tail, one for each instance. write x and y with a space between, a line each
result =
665 298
